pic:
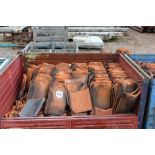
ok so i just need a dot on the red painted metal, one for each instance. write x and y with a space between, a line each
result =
10 81
114 121
106 122
14 74
45 122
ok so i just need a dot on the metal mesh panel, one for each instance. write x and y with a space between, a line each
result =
49 47
8 51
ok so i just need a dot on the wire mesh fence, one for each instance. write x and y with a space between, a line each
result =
9 51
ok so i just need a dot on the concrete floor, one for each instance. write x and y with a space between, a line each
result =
135 41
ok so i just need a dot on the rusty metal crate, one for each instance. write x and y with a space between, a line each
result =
11 80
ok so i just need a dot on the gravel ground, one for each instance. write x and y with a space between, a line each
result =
135 41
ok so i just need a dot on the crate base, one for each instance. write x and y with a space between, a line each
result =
68 122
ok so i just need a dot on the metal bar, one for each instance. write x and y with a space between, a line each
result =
137 66
97 29
4 64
